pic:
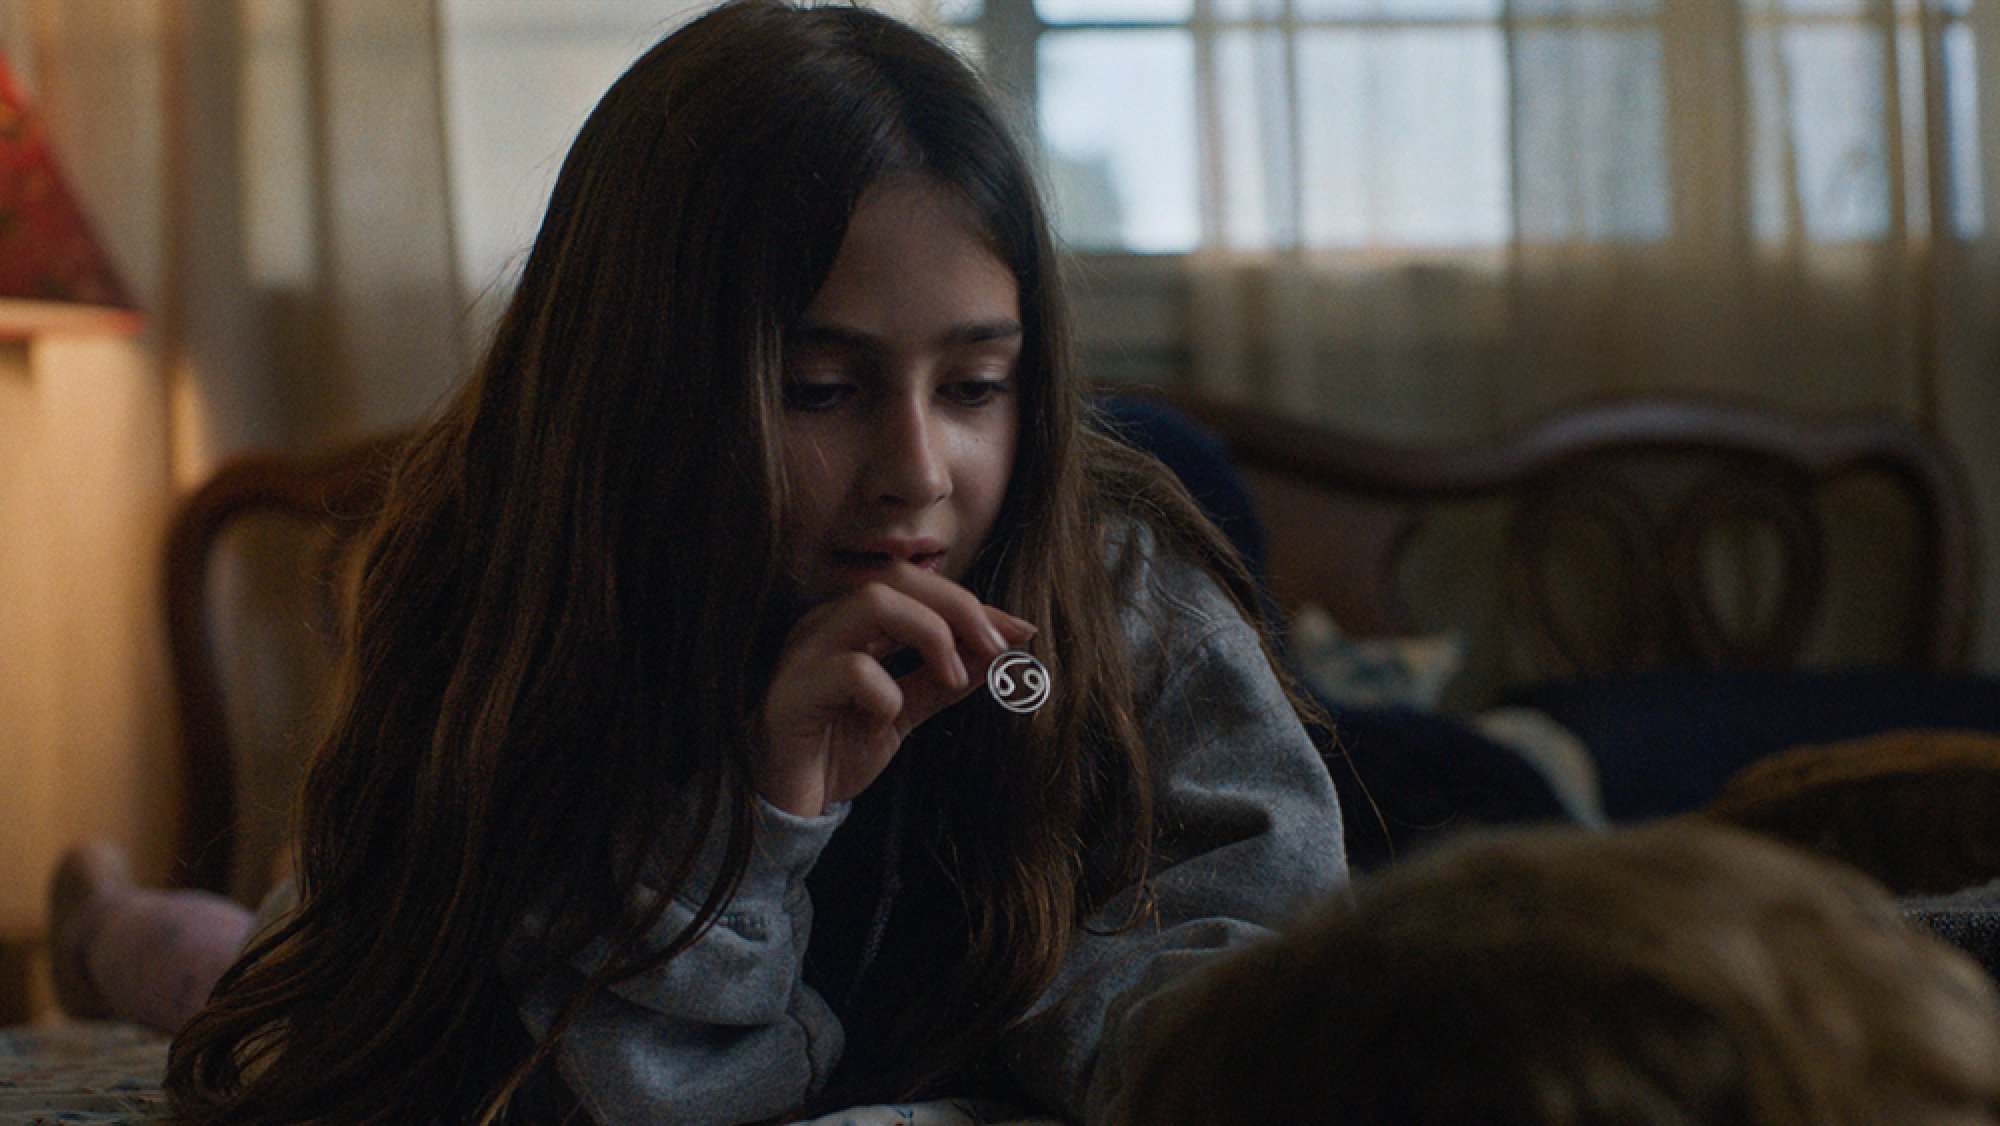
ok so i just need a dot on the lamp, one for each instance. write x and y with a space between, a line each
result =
54 277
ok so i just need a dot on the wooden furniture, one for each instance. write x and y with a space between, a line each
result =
331 495
1659 483
1596 540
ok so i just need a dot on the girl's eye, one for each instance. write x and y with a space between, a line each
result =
816 396
975 392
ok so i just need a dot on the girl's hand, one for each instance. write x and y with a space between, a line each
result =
834 717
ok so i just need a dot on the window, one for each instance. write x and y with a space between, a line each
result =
1824 74
1381 130
1169 124
1448 125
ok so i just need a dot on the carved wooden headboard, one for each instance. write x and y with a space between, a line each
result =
1628 534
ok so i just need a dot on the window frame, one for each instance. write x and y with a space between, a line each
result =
1709 187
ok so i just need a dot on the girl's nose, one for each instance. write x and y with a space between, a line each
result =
910 466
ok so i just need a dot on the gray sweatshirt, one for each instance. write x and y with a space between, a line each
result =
1247 831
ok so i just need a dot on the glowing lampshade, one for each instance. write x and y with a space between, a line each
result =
54 277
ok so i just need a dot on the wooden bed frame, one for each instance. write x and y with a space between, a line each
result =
1660 480
1617 506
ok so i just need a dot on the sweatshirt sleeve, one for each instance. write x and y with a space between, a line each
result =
1247 831
724 1032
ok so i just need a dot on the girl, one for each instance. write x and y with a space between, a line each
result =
622 810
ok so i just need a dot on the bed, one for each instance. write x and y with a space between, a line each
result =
1605 616
1608 615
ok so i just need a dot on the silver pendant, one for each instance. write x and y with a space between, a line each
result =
1018 681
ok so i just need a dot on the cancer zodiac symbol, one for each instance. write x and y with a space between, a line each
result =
1018 681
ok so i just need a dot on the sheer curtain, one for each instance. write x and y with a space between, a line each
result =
271 176
1602 194
338 303
1439 232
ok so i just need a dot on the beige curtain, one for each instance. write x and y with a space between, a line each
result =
1792 202
322 279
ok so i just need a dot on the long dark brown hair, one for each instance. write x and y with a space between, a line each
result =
551 669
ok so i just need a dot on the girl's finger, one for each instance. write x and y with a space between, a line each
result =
863 670
1015 630
972 622
869 690
879 620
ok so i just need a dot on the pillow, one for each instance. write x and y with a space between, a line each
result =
1665 741
1408 775
1198 458
1555 752
1393 672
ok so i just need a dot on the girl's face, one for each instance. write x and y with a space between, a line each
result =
901 407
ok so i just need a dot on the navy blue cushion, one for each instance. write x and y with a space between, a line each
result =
1201 462
1407 779
1666 741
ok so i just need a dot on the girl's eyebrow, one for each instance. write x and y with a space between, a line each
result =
808 333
